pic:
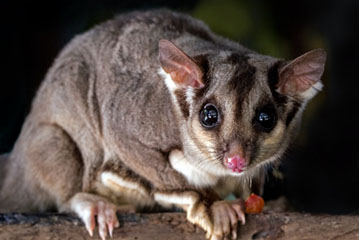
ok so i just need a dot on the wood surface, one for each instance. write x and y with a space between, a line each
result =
173 226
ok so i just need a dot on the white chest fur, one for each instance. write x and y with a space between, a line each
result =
194 175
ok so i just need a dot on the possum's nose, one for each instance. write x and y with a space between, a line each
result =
236 163
234 158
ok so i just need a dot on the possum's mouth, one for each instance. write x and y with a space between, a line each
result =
236 163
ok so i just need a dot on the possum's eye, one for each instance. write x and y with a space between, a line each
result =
209 116
265 119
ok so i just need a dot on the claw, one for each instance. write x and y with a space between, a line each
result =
103 235
101 220
240 213
89 230
89 220
234 234
102 230
87 206
241 217
110 228
111 220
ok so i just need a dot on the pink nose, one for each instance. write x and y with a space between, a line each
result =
236 163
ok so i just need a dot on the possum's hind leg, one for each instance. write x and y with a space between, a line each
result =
57 166
43 170
54 166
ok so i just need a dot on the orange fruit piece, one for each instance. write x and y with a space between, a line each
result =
254 204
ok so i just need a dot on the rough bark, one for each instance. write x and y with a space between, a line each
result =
173 226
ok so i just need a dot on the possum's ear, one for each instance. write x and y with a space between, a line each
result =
183 70
300 78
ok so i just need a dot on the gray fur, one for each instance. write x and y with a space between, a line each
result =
103 101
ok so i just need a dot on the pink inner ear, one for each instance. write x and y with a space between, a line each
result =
183 70
302 73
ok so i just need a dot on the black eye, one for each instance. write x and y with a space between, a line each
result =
266 119
209 116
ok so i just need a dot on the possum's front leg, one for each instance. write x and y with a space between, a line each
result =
219 218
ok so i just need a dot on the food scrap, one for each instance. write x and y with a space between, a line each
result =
254 204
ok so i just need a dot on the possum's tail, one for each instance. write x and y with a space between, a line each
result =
3 164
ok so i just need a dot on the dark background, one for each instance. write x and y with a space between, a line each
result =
321 171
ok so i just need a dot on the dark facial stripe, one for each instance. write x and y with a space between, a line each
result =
182 102
291 114
273 78
243 78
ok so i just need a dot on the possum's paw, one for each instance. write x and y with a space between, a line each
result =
219 220
225 217
90 207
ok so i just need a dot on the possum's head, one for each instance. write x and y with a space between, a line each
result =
238 110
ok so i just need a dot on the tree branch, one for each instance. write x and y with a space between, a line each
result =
173 226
